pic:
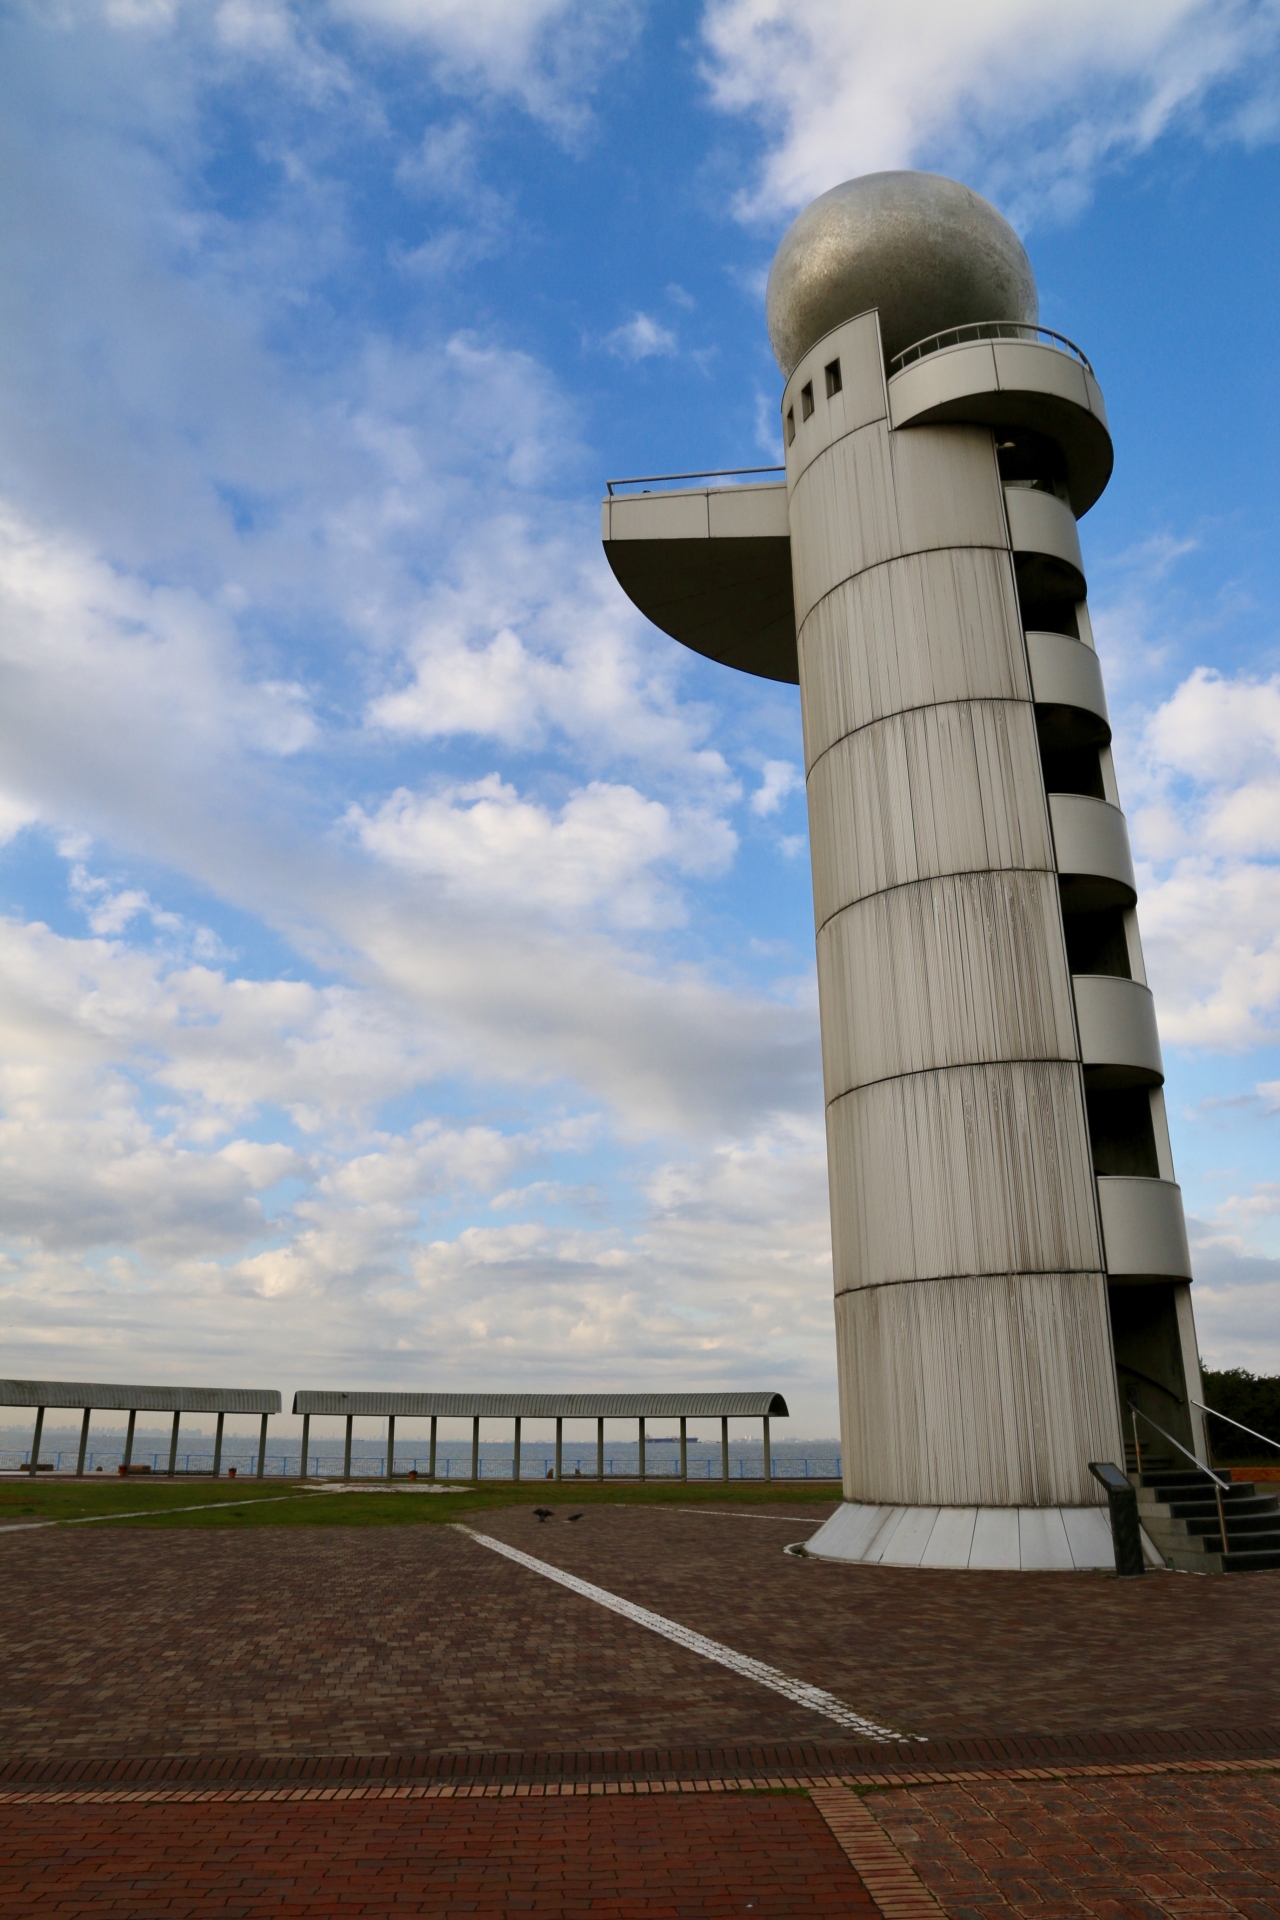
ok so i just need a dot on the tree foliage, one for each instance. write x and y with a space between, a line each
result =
1254 1400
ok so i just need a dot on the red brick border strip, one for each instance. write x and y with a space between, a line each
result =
888 1763
888 1877
583 1789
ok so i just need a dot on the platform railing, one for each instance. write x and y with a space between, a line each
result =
667 479
1239 1425
988 330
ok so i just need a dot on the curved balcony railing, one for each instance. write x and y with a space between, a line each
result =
1045 541
1066 680
1144 1231
988 330
1091 844
1119 1041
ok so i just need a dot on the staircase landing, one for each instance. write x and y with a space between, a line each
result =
1178 1508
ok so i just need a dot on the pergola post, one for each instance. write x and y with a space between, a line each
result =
84 1442
684 1449
217 1447
559 1446
391 1446
262 1443
515 1458
128 1438
346 1450
724 1446
475 1447
431 1463
600 1448
768 1458
306 1442
173 1445
35 1443
642 1446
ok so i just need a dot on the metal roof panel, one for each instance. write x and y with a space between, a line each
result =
109 1397
541 1406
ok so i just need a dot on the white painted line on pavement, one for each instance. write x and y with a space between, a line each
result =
799 1691
718 1513
150 1513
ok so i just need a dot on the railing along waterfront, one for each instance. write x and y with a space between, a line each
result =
988 330
374 1466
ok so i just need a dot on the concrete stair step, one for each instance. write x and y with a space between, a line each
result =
1266 1511
1251 1561
1259 1526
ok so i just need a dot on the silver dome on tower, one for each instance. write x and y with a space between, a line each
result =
926 251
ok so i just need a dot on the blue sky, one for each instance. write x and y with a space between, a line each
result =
406 956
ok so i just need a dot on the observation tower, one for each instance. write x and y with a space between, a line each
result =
1012 1274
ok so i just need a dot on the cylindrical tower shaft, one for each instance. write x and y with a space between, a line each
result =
971 1312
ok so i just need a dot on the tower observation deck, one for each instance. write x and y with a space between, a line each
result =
1011 1264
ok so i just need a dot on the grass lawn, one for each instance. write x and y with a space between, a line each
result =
287 1503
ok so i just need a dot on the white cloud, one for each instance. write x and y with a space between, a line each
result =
525 637
1237 1296
640 339
781 778
445 170
547 54
14 816
135 1230
128 713
1029 97
1204 811
1223 735
599 850
119 691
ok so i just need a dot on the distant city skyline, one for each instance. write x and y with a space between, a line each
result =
406 956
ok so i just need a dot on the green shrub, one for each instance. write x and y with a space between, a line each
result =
1251 1398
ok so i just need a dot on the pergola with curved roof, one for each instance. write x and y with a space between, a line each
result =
115 1397
559 1407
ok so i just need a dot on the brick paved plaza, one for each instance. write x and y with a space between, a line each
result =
181 1707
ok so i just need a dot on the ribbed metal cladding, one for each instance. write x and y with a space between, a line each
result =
112 1397
545 1406
976 1170
972 1331
937 790
934 627
994 1381
904 499
944 973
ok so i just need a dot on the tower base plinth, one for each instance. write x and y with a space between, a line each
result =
992 1539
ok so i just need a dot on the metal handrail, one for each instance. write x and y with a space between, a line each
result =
1265 1438
1218 1485
714 473
988 330
1150 1381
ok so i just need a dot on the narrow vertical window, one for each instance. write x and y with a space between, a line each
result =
806 400
791 425
834 383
